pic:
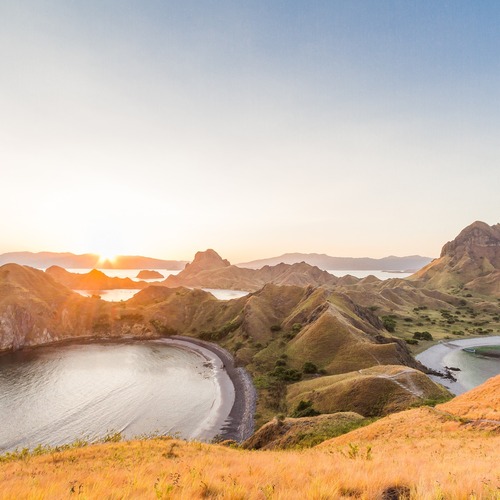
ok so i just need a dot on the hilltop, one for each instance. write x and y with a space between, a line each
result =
209 270
471 261
418 453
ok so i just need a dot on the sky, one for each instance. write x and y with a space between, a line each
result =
160 128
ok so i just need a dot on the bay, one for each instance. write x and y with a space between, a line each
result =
473 369
56 394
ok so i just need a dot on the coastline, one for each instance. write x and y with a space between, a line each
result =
239 424
434 358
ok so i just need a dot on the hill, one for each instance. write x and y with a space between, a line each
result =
371 392
209 270
35 309
471 261
273 332
419 453
93 280
326 262
43 260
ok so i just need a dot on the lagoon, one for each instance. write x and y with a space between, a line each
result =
474 369
53 395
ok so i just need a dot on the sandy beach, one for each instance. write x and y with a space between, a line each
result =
239 424
435 356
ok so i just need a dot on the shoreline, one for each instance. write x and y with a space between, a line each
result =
239 424
434 357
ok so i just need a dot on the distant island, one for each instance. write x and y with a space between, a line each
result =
67 260
392 263
149 275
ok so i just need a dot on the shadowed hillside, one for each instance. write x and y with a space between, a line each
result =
35 309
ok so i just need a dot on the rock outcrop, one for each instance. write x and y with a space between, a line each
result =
471 260
209 270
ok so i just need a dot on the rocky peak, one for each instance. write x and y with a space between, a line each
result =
477 240
207 260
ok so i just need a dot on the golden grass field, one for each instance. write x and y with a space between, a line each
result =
426 453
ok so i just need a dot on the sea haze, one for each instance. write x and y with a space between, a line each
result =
53 395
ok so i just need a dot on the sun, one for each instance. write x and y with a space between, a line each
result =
106 258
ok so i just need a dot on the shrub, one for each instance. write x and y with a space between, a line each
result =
309 367
389 323
286 374
422 336
304 409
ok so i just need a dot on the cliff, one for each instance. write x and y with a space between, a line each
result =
471 260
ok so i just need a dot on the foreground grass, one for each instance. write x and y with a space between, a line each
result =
423 452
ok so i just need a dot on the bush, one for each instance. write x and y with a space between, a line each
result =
286 374
309 367
423 336
389 323
304 409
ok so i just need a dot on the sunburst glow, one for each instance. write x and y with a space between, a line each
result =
106 258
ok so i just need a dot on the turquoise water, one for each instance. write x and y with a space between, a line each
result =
474 369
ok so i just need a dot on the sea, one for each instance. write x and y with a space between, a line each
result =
118 295
473 369
53 395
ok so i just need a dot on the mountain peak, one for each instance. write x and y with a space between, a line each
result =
478 239
209 259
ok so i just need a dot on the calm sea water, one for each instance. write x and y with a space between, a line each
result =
474 369
56 394
117 295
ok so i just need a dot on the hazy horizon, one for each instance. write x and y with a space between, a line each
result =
190 258
349 128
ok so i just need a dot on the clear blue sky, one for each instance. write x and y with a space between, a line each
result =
361 128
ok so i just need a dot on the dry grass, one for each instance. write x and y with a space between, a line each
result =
482 402
433 455
374 391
